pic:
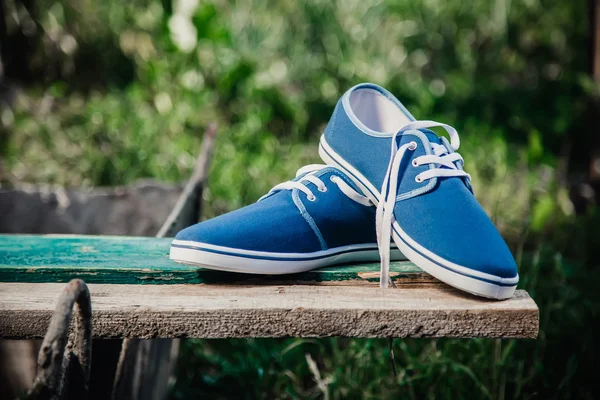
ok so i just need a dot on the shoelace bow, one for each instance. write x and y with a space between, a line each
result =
308 171
444 166
444 162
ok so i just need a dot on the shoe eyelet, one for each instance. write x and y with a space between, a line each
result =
311 198
418 179
322 191
412 146
414 163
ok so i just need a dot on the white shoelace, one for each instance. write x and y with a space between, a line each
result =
308 171
441 157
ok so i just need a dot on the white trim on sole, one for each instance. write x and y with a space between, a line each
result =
469 280
468 284
254 262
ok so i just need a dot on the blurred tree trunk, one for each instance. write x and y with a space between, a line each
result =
584 165
18 43
594 131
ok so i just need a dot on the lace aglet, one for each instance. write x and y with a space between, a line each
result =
384 278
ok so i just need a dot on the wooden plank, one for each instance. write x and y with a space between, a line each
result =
145 260
225 311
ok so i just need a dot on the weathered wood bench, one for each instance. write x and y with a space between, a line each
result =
137 292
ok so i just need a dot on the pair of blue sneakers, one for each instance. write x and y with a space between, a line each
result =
388 176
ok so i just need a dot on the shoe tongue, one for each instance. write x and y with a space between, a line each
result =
328 170
336 171
431 136
435 141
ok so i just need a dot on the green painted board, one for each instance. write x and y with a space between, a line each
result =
145 260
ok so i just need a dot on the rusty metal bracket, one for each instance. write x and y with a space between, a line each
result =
64 359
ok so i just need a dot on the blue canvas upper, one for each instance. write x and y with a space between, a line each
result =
286 221
441 214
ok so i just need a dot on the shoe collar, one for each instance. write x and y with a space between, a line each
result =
368 98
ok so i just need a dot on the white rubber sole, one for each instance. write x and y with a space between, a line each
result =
266 263
463 278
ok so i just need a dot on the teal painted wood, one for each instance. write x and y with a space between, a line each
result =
137 260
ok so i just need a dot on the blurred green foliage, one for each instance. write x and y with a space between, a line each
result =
118 91
112 91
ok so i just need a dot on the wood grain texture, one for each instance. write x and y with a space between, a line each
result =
226 311
145 260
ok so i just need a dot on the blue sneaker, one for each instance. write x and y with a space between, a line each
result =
424 197
318 219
